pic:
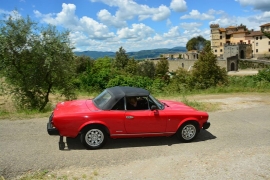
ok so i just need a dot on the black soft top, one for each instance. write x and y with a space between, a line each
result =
121 91
118 92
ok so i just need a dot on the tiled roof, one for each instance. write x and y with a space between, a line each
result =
264 25
222 29
254 33
239 32
231 27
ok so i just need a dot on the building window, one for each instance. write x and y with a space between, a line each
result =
260 37
256 44
220 37
269 50
257 50
221 44
215 50
220 50
256 38
268 42
248 41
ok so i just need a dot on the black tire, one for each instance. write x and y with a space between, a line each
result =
187 132
94 137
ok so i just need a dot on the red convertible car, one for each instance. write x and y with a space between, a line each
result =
125 112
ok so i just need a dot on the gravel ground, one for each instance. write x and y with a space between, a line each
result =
236 146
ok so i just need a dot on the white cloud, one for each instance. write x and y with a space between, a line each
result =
197 32
195 14
68 19
178 5
189 26
251 22
263 5
168 22
94 29
172 33
225 21
128 9
161 13
106 17
137 32
212 11
263 18
14 14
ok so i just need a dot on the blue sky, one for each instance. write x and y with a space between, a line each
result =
106 25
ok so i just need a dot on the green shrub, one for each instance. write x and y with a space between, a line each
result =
135 81
264 75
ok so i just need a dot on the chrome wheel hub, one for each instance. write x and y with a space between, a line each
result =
94 137
188 132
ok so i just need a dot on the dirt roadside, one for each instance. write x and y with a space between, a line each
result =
234 101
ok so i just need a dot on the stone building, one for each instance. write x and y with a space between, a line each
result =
257 43
229 45
242 51
192 55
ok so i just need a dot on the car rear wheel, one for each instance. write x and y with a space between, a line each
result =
187 132
94 137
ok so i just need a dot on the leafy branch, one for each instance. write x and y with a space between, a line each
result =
267 34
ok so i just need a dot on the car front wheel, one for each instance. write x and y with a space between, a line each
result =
187 132
94 138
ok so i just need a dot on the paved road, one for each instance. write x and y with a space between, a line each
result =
236 146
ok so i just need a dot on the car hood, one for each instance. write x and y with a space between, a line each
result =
175 105
74 106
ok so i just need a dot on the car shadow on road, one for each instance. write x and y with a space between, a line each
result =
75 143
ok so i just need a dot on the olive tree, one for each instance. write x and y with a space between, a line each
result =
162 67
196 43
121 59
206 72
146 68
35 61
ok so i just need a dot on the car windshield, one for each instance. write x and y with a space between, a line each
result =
157 102
102 99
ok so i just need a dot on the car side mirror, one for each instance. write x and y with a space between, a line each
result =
153 107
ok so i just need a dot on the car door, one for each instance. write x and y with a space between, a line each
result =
145 121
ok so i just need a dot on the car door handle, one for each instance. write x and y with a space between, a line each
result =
129 117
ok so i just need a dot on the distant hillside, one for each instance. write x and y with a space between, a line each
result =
137 55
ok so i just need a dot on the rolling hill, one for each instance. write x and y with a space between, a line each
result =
137 55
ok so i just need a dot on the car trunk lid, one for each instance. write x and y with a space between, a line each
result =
74 106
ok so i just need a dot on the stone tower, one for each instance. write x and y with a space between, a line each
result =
215 38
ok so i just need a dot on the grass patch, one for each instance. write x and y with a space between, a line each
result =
23 114
60 175
202 106
188 100
36 175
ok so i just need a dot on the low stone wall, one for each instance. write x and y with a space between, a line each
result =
187 64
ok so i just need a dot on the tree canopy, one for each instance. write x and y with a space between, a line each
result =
36 61
121 59
206 72
196 43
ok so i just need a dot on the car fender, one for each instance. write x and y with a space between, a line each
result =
186 120
94 122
